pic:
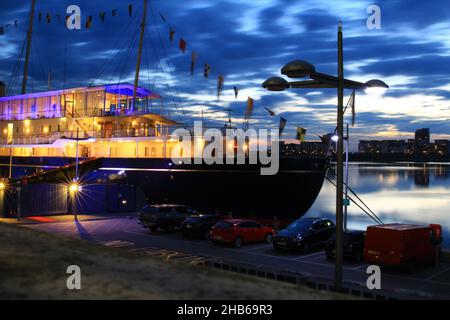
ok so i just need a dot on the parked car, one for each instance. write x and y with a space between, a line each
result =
199 226
165 216
353 245
402 245
240 231
304 234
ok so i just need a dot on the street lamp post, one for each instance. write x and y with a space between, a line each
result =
302 69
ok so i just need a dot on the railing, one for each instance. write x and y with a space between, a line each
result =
49 138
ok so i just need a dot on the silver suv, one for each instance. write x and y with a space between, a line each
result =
165 216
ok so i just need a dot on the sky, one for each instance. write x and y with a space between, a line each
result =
247 42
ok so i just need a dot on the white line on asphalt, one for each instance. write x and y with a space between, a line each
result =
308 256
437 274
258 247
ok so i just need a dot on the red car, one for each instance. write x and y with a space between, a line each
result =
239 231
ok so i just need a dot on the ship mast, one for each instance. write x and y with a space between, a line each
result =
138 63
27 56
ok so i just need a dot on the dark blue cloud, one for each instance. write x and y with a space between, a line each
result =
244 41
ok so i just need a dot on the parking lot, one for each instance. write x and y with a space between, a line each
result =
125 233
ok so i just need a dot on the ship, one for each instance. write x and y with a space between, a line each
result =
119 130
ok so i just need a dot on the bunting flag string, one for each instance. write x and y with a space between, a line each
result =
102 16
283 122
206 70
3 28
51 17
183 45
220 81
236 92
271 113
193 61
162 17
352 105
88 22
301 133
171 34
249 110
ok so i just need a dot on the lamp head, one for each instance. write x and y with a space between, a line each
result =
376 87
298 69
275 84
375 83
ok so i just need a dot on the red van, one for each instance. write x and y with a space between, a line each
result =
402 245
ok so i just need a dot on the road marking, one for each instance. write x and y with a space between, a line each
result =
258 247
437 274
117 244
309 256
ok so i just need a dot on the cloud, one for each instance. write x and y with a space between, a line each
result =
247 42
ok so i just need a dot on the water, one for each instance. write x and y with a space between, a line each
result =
396 192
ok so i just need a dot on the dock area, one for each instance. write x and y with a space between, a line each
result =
259 260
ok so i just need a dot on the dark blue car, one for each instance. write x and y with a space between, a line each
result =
304 234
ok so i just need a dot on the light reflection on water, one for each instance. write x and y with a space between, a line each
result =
401 192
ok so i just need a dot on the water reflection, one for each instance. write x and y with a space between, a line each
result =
402 192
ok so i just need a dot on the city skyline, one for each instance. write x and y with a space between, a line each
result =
415 69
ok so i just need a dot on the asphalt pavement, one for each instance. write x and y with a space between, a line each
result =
126 233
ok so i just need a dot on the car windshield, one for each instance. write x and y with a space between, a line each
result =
223 225
299 226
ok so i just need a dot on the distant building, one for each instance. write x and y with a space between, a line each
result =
419 145
311 148
441 147
382 146
422 141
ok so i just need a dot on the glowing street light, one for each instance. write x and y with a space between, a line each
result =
2 185
74 187
304 69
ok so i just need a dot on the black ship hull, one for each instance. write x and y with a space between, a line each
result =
237 189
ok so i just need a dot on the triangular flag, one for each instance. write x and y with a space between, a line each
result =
49 18
282 125
89 22
206 70
102 16
16 23
270 112
324 139
236 92
352 105
114 12
193 60
183 45
162 17
171 34
220 81
301 132
130 10
2 31
40 16
249 110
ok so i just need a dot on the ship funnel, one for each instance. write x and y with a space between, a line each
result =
2 89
